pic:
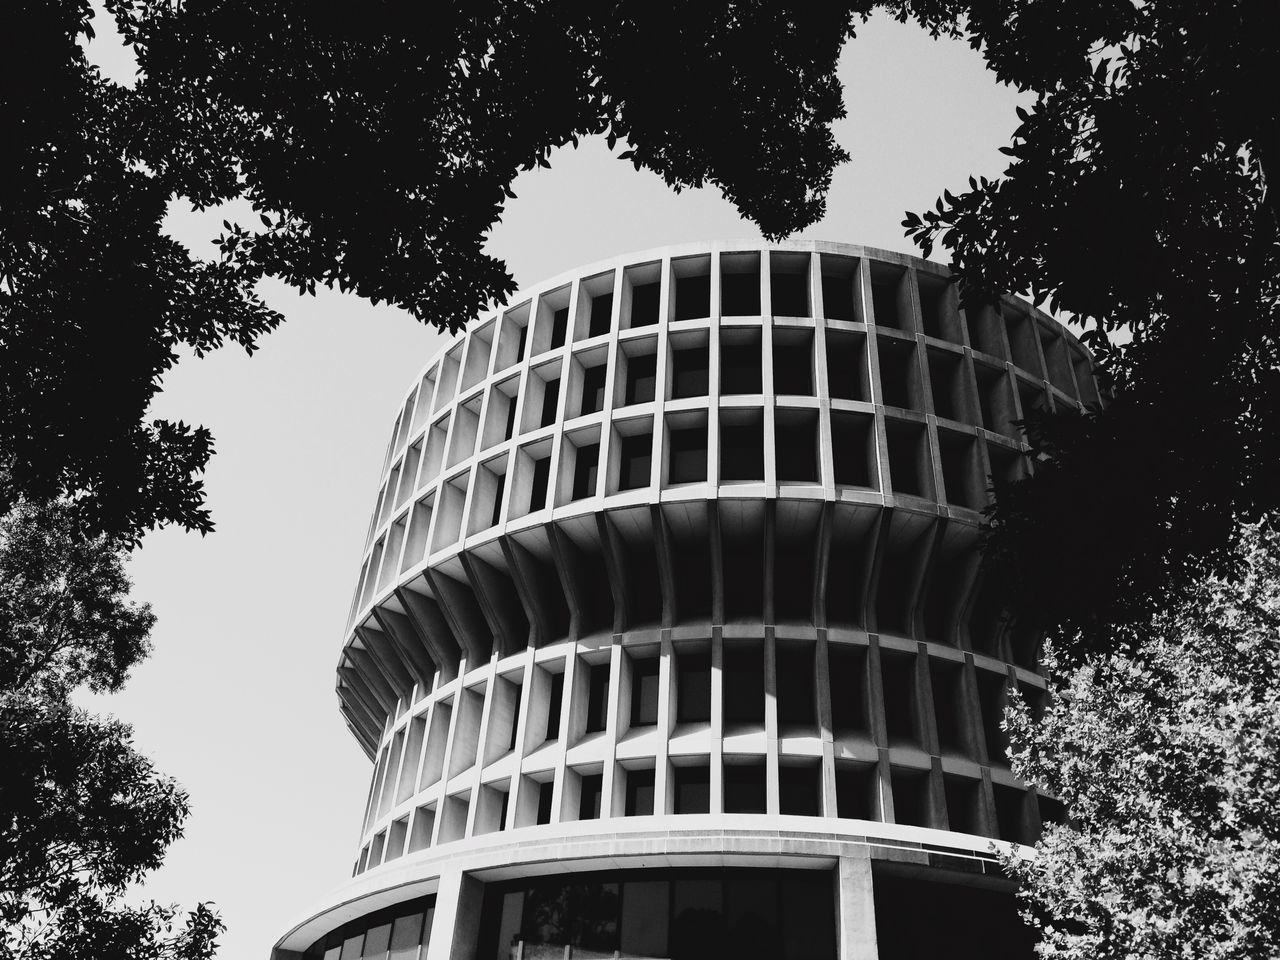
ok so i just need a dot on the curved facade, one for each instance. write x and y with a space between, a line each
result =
670 638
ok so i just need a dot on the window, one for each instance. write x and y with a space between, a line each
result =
637 459
744 787
589 798
688 454
689 377
553 706
644 692
601 315
693 789
546 792
585 469
642 372
639 801
593 380
598 698
693 686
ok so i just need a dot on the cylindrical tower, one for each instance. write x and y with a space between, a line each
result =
670 638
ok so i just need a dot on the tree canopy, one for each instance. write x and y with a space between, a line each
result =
1136 200
1166 759
82 814
377 150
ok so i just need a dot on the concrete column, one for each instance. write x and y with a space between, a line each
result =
856 921
456 925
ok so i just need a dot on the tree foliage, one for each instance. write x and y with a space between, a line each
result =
95 301
1165 757
82 814
1136 199
377 148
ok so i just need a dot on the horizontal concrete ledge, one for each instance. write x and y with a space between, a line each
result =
649 842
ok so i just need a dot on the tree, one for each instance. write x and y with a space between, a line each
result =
377 150
82 813
95 301
1165 758
1139 199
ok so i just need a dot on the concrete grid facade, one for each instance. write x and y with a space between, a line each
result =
673 568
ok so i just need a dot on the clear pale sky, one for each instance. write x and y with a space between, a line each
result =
237 700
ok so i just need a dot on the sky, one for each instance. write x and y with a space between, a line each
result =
237 701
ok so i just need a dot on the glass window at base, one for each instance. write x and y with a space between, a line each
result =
687 914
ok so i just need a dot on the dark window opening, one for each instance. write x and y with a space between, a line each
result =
693 297
948 710
946 377
964 798
601 315
644 304
742 451
789 293
884 299
855 788
901 936
593 381
800 790
538 489
515 719
993 395
793 368
598 698
1022 342
591 791
637 458
796 446
797 699
553 706
847 366
693 789
897 373
906 473
639 802
847 665
898 677
934 313
644 692
500 487
911 797
1011 813
693 688
559 327
688 462
851 449
520 343
793 574
510 429
741 368
689 377
743 683
550 399
837 298
546 791
642 377
960 471
744 788
740 294
991 701
585 468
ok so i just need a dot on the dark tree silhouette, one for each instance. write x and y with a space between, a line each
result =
82 814
1137 199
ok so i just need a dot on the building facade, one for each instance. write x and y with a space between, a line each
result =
670 638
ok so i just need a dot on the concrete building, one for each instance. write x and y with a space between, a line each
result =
670 638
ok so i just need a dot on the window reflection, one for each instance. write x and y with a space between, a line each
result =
688 914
